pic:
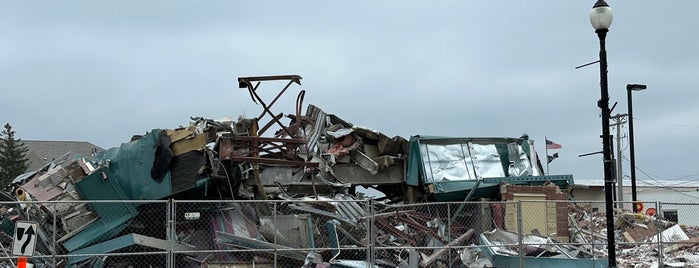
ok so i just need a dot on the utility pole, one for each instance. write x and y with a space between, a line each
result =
619 119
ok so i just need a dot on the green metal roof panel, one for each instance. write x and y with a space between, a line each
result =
488 188
415 168
131 165
97 232
113 216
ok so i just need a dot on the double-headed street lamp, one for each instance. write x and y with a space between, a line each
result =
629 88
601 19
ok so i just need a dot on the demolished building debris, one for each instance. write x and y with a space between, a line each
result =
224 192
643 240
505 248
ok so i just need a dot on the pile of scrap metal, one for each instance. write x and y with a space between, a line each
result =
182 164
642 240
311 164
508 249
315 155
421 236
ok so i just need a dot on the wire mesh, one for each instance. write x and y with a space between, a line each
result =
342 232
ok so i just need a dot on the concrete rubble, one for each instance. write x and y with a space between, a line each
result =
301 179
638 238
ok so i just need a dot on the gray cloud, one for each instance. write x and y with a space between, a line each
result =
101 71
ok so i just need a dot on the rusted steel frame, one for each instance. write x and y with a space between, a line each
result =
451 227
414 224
422 216
273 161
454 228
252 96
254 150
391 229
245 82
260 192
427 217
287 149
288 146
267 139
295 128
385 214
436 255
299 104
278 95
271 122
280 133
266 108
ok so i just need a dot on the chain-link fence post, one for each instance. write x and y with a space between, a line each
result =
274 236
371 232
520 236
660 228
448 230
169 232
53 234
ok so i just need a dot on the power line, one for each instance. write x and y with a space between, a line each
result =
660 184
665 125
692 173
671 189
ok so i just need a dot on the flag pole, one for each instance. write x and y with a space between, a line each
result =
547 154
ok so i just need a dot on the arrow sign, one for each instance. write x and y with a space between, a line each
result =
29 232
24 241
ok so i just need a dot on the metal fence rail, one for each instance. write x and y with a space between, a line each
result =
342 232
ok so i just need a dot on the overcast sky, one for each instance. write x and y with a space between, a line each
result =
102 71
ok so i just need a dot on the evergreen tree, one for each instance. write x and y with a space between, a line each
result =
13 156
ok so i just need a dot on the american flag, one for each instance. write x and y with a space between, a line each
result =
552 145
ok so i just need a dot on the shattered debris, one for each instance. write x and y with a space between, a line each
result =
643 241
261 192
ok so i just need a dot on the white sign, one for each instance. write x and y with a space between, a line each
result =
192 215
25 238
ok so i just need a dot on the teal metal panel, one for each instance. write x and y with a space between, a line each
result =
131 164
113 216
127 241
458 190
333 239
488 188
100 185
6 225
415 171
560 180
104 247
96 232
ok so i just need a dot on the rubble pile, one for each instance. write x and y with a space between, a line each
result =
281 190
642 241
307 170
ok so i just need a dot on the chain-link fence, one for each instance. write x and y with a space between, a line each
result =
343 232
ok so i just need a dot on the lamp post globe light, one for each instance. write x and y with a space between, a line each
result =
601 19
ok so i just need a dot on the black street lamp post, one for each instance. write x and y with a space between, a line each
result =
629 88
601 19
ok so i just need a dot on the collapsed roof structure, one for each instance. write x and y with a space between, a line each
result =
316 155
